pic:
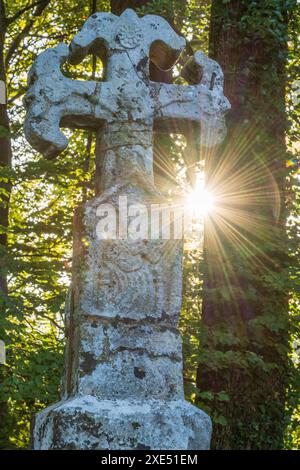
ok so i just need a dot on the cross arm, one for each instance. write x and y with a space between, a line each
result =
202 102
54 100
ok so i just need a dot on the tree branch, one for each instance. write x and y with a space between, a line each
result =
18 39
23 10
3 24
16 96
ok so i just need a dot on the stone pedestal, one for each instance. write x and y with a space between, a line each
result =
87 422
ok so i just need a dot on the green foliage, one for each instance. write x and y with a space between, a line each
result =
38 259
254 359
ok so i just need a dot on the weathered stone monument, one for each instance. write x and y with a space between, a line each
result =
123 386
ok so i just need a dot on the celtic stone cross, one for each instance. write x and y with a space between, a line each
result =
123 386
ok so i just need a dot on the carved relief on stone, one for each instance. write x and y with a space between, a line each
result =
135 279
129 35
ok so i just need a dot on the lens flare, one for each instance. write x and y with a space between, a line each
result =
199 200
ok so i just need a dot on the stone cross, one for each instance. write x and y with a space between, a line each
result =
123 386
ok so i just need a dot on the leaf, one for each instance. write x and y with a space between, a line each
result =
222 396
206 395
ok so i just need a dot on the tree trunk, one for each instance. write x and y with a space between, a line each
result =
5 158
118 6
245 306
5 164
5 161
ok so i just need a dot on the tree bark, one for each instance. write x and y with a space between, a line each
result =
5 153
245 306
118 6
6 163
5 160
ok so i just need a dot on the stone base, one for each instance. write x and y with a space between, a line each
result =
86 422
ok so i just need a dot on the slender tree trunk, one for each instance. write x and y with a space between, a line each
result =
118 6
245 306
6 55
5 161
5 156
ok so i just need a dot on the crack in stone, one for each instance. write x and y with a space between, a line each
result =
141 351
115 321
